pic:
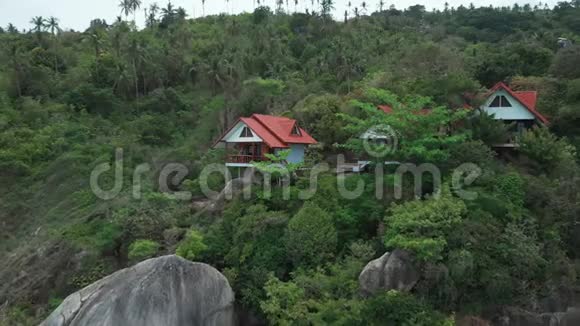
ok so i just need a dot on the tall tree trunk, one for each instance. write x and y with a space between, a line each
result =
144 84
18 86
136 79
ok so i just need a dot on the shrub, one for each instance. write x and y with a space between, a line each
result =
395 308
143 249
192 246
511 187
546 150
488 130
424 226
471 152
99 235
311 237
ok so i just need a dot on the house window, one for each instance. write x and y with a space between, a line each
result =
296 131
246 133
500 101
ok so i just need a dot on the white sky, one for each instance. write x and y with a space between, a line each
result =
76 14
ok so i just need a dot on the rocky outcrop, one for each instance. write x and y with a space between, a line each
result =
470 321
161 291
35 269
215 204
519 317
391 271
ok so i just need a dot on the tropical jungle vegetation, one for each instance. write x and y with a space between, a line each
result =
164 93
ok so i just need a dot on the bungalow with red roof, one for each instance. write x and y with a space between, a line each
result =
513 107
249 139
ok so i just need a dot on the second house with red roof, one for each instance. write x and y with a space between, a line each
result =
249 139
517 108
513 106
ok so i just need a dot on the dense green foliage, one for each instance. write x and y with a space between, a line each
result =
164 93
142 249
192 246
311 236
423 226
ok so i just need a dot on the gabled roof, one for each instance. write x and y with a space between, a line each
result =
276 132
527 98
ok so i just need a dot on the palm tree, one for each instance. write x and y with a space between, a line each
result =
39 27
126 8
15 58
52 24
134 53
152 16
38 23
168 12
11 29
95 38
135 5
181 13
203 8
381 5
364 7
327 6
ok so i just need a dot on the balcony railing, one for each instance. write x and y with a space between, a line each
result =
245 158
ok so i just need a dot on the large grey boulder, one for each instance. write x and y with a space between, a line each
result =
391 271
520 317
167 290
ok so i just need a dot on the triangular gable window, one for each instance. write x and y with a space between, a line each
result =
500 101
246 133
296 131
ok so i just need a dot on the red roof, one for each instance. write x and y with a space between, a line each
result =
386 108
276 132
527 98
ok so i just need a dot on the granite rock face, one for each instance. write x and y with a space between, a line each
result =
167 290
391 271
520 317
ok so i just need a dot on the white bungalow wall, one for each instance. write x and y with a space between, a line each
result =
234 135
516 112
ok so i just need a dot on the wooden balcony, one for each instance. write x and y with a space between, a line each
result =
244 159
243 154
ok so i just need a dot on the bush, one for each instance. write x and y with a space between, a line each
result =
395 308
143 249
511 187
547 151
94 100
488 130
424 226
471 152
102 236
192 246
311 237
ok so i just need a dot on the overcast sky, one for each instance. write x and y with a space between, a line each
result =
76 14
